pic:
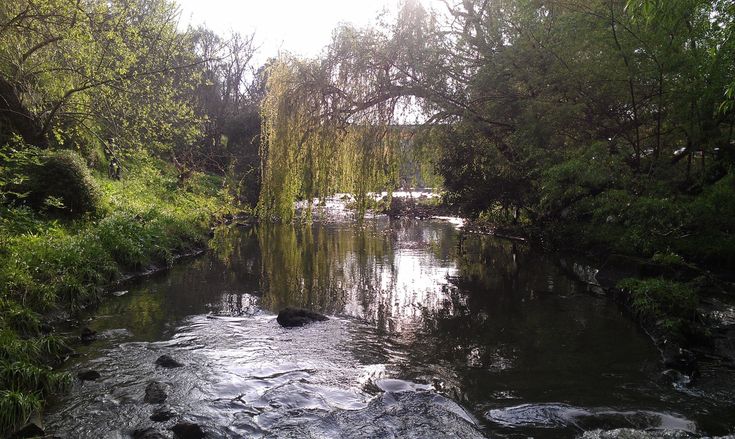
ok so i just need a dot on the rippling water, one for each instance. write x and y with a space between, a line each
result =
428 337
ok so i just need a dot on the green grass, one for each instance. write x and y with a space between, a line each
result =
55 263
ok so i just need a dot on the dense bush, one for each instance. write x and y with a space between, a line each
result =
61 183
56 181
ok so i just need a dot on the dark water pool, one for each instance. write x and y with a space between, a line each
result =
424 340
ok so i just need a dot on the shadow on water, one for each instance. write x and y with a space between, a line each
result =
424 341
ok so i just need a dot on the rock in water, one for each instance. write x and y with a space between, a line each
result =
30 430
87 335
155 393
162 415
293 317
88 375
188 430
147 433
167 362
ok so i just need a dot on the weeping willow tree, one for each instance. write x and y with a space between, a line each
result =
336 123
318 141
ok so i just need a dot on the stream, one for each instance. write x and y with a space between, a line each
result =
428 337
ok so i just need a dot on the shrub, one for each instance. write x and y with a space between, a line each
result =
59 182
661 299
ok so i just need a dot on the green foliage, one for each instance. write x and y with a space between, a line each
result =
16 407
691 227
15 158
306 157
24 380
672 304
584 173
668 259
61 183
49 181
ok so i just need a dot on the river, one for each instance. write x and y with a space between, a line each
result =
427 337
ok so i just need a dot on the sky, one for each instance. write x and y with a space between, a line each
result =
301 27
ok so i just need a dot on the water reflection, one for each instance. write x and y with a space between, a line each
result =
495 327
387 273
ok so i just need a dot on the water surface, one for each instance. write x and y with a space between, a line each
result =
428 337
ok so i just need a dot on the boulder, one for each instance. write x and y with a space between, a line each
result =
167 362
188 430
293 317
155 393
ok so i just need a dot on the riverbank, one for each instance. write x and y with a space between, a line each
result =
50 265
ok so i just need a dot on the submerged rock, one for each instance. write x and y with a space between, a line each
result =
162 414
293 317
155 393
87 335
30 430
405 415
682 360
147 433
188 430
88 375
167 362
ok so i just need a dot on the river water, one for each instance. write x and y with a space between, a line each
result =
427 338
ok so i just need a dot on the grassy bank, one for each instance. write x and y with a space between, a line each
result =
50 263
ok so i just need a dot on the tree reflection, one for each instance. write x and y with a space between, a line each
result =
383 272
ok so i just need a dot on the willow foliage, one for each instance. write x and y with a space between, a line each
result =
315 143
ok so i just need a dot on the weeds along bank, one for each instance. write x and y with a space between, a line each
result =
66 233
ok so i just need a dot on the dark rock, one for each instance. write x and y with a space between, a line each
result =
88 375
188 430
87 335
162 415
293 317
30 430
147 433
682 360
155 393
167 362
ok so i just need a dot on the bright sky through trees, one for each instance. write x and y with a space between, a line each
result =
302 27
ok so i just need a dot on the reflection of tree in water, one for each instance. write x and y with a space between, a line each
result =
512 330
383 272
237 249
142 314
312 266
